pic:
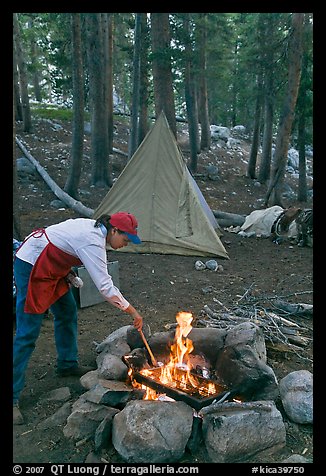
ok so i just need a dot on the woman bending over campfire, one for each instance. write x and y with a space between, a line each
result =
43 277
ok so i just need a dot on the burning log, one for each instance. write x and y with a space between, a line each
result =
200 392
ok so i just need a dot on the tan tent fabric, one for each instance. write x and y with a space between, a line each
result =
157 187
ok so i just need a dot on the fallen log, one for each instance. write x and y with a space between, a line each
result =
58 192
298 340
225 219
300 309
120 152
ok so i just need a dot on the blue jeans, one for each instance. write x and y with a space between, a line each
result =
28 328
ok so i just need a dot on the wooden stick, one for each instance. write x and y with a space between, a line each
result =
154 362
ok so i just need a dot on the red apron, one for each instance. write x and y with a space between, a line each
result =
47 280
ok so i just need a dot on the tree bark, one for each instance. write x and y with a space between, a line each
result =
99 123
34 65
16 215
302 105
18 105
251 170
268 32
27 119
133 137
266 156
302 188
274 192
190 97
71 186
143 93
110 81
205 138
162 73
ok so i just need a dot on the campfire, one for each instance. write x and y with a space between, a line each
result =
177 379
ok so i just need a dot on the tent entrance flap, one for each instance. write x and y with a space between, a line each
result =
183 219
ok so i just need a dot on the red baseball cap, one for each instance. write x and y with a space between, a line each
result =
127 223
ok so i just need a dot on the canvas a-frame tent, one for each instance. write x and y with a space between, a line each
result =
157 187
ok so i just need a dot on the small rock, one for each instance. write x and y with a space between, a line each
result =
208 289
199 265
211 264
57 204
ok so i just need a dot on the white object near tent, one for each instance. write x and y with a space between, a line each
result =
157 187
260 222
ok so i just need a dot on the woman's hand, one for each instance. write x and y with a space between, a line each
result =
138 322
137 319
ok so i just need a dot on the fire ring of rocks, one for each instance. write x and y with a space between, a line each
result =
238 420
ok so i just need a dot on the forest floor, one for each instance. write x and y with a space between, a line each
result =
159 286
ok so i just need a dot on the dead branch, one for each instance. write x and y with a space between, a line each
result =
280 333
272 316
246 293
299 340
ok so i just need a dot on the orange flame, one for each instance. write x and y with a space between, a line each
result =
176 373
183 346
179 353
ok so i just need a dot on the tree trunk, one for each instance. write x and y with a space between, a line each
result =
190 97
234 91
16 215
205 139
18 105
251 170
162 73
143 93
302 113
274 191
110 82
71 186
27 120
268 29
34 65
302 188
266 156
99 123
133 137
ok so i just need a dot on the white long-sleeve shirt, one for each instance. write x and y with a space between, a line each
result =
81 239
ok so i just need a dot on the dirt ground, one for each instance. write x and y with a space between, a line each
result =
157 285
